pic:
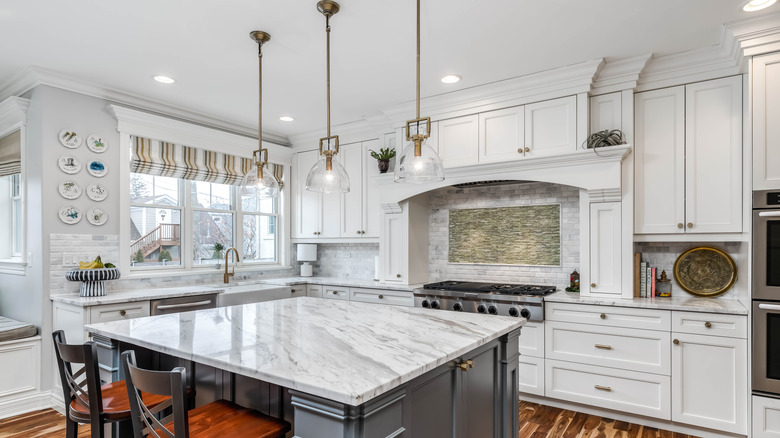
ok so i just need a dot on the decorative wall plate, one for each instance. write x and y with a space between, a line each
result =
97 192
69 190
69 164
97 144
97 168
69 138
97 216
70 215
705 271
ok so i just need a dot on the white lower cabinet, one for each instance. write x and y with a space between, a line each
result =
605 238
709 382
403 245
335 293
530 377
314 290
380 296
299 290
766 417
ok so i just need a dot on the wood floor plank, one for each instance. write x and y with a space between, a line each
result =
574 429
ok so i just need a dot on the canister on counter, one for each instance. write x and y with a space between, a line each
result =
663 287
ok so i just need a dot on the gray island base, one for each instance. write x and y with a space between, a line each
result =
341 369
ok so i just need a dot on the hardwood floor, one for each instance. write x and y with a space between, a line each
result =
536 421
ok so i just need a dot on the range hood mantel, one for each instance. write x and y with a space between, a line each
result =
596 170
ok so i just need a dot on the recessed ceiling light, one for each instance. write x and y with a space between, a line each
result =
451 79
757 5
286 118
164 79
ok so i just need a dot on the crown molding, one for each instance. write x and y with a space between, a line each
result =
619 75
144 124
756 36
13 114
32 77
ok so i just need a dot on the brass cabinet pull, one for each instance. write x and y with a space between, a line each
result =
690 224
463 366
398 275
603 388
603 347
335 292
470 363
122 312
593 285
603 316
519 150
292 290
527 149
381 296
680 225
676 342
708 324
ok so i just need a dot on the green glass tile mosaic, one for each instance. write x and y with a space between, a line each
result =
524 235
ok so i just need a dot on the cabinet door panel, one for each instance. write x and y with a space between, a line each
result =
458 140
713 156
395 247
659 161
352 202
551 127
605 238
307 212
480 396
606 112
709 382
331 213
501 135
766 130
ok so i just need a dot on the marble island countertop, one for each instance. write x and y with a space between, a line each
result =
686 303
345 351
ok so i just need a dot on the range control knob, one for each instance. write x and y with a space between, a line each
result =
525 313
434 304
493 310
457 307
426 304
513 311
481 308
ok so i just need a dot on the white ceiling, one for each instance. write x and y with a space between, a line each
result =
204 45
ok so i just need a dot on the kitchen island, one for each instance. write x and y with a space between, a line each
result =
343 369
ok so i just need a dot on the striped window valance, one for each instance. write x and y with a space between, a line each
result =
11 154
160 158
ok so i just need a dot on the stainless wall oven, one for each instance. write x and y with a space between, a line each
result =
766 292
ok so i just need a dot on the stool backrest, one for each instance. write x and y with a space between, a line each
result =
168 383
83 386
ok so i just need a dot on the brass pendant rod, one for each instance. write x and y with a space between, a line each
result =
260 97
327 51
418 60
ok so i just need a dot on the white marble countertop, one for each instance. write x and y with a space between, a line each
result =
340 281
145 294
686 303
344 351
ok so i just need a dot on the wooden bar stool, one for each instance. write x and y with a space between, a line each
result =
217 419
86 401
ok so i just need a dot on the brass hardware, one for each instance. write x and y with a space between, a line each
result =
463 366
381 296
603 347
676 342
227 275
708 324
690 224
593 285
603 316
470 363
603 388
293 291
519 150
527 149
398 275
680 225
122 312
357 232
335 292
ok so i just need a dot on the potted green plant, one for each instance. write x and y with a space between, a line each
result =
217 254
383 158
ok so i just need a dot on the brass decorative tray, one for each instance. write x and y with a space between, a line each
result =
705 271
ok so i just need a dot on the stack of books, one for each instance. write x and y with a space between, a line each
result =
644 278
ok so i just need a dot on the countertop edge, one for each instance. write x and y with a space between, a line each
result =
684 303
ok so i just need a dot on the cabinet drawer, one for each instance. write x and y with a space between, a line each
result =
314 290
636 350
530 375
621 390
116 312
609 316
400 298
531 339
766 417
299 290
732 326
336 293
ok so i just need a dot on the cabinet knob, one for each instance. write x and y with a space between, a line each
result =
398 275
463 366
335 292
123 312
519 150
680 225
470 363
381 296
676 342
593 285
690 224
293 291
603 316
708 324
527 149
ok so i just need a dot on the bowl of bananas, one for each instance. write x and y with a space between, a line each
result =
92 275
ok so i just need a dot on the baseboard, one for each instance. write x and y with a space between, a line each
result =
13 406
630 418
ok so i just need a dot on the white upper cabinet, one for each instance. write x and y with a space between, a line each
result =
502 135
359 214
606 112
308 212
551 127
458 140
605 249
688 162
766 130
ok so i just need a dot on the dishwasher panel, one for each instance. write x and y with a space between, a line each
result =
183 304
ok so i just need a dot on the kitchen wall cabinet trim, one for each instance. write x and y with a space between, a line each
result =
766 130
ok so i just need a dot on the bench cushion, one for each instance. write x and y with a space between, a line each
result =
11 329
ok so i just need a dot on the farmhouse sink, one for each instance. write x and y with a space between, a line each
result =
246 293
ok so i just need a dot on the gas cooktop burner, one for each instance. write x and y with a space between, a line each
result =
488 288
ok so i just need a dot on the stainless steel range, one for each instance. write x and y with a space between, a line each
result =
521 300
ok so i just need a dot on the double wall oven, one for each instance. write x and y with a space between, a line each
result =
766 292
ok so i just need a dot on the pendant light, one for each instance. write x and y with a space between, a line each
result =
263 184
328 176
418 163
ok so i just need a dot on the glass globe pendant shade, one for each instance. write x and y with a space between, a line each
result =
418 167
327 176
265 186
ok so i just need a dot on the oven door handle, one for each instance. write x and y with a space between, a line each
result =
769 213
769 306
